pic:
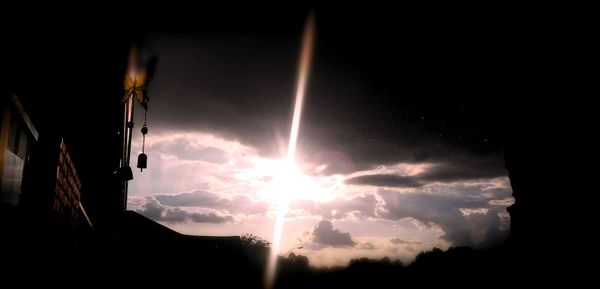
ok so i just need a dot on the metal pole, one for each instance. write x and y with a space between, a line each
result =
124 135
127 135
124 155
129 127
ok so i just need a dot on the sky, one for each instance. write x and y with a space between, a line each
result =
399 147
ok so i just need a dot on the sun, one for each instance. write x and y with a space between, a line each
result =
283 182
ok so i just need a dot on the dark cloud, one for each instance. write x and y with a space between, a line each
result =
237 204
154 210
361 148
325 234
426 207
194 199
504 192
189 149
485 228
444 173
238 87
477 229
361 104
209 218
385 180
461 171
443 208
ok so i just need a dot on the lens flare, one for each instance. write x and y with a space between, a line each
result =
283 201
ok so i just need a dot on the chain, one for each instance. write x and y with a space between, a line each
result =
144 131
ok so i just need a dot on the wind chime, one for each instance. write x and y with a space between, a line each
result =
136 81
142 161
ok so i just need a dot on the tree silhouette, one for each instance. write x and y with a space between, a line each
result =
256 248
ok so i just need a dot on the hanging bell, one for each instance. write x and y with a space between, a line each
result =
142 162
124 173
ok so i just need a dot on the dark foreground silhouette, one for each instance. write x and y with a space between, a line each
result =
145 253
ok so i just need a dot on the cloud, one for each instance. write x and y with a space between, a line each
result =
398 241
251 111
154 210
440 172
461 171
193 199
181 161
325 234
465 219
465 213
502 202
385 180
486 230
361 206
188 148
209 218
468 212
338 119
366 246
234 204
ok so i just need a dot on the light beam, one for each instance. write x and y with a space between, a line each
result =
283 202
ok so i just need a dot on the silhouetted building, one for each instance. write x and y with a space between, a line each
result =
17 137
52 189
38 178
67 209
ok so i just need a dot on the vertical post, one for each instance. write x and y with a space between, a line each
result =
127 135
124 155
129 126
